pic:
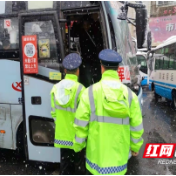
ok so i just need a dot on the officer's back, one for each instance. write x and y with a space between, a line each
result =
65 96
109 118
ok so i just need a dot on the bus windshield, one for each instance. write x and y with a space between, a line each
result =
143 63
141 60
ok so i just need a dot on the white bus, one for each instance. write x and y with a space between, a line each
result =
162 72
25 119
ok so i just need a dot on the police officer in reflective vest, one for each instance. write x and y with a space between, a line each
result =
108 121
65 96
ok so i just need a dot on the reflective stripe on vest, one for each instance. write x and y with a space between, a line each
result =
53 109
130 96
69 109
79 140
94 117
106 170
137 128
81 122
136 140
104 119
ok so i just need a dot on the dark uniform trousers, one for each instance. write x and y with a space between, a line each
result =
72 163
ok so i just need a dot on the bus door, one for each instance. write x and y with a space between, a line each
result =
40 55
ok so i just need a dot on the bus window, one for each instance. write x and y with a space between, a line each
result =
165 51
157 66
159 51
171 61
159 56
170 51
141 60
18 6
47 49
160 63
165 63
174 62
9 34
133 60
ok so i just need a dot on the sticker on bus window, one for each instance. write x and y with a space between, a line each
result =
7 23
30 59
55 76
26 80
124 74
44 48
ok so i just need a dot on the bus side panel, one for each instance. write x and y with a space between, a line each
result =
150 85
163 91
6 127
17 118
10 94
144 81
40 111
164 81
10 81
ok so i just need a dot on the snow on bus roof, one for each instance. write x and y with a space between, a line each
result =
169 41
141 53
142 49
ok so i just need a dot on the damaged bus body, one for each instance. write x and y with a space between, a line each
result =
35 37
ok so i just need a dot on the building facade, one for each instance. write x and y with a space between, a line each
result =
162 21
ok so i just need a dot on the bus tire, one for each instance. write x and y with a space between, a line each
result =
174 99
156 97
153 87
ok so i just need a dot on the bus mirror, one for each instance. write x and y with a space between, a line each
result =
123 14
141 26
149 41
141 20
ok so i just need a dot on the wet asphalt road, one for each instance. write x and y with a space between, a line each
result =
159 125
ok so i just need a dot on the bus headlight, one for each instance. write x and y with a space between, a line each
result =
136 87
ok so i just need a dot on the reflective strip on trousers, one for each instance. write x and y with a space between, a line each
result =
94 117
137 128
69 109
136 140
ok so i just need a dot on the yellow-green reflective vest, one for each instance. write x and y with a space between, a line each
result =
65 96
108 122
